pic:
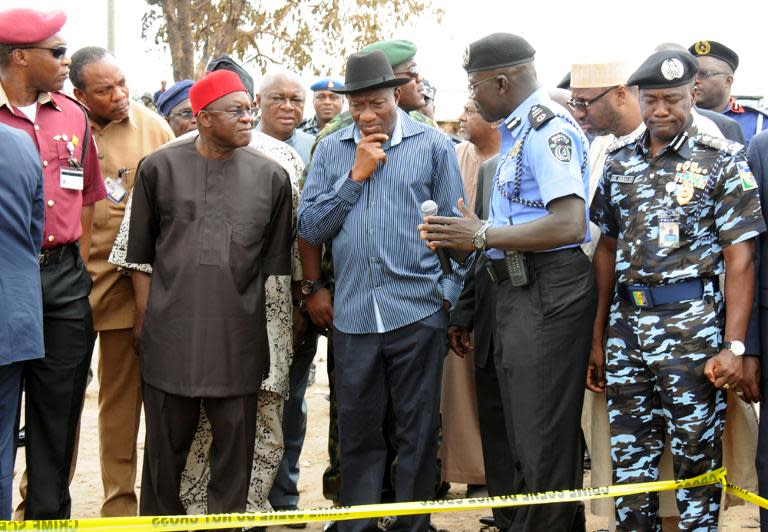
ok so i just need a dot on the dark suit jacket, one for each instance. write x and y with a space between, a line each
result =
757 335
476 308
729 127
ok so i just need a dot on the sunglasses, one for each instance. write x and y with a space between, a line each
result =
412 72
56 51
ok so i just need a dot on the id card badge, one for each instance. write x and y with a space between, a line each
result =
669 233
71 178
115 189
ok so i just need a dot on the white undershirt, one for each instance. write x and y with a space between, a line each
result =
30 111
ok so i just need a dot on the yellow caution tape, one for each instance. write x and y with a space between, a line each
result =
339 513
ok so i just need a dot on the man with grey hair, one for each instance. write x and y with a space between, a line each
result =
281 100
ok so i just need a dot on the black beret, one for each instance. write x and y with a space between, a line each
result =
664 70
565 83
224 62
496 51
717 50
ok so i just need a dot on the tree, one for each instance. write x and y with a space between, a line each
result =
298 34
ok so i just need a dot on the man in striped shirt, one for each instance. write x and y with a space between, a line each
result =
364 191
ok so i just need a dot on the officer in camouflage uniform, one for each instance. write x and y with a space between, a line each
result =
318 261
676 209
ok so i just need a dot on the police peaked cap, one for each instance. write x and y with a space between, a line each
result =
717 50
665 70
497 50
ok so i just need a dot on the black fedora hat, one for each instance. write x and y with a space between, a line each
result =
367 71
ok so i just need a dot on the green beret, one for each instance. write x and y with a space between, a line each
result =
665 70
398 51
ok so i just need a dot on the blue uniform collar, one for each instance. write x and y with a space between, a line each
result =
681 144
520 114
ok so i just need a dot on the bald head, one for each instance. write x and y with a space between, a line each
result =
281 99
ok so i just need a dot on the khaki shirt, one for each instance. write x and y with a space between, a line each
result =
121 145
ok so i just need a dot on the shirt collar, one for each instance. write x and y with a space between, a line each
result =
681 144
42 99
395 139
520 114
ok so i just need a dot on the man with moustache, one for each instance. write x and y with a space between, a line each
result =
33 68
174 105
327 105
211 238
281 100
125 133
676 208
545 297
364 191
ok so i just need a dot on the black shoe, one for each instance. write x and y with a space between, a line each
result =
290 508
330 526
488 521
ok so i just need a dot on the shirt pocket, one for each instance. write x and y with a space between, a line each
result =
245 247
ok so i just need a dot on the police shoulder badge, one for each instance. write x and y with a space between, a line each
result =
748 181
672 69
561 147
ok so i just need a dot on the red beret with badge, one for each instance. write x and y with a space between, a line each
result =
28 26
212 87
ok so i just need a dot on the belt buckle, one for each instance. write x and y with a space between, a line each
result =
641 296
42 258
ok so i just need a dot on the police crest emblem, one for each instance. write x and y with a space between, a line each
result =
465 59
672 69
561 147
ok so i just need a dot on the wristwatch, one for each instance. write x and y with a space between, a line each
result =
310 287
736 347
479 240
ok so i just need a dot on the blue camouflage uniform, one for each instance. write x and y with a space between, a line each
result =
699 194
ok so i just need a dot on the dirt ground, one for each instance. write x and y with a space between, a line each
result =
87 490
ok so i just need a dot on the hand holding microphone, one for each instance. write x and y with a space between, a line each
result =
429 208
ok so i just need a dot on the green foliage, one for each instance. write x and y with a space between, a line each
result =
299 34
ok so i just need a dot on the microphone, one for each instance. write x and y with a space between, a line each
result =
429 208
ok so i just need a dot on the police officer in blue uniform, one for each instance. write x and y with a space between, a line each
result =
717 64
545 295
676 209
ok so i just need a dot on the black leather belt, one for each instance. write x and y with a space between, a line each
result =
55 255
497 268
645 296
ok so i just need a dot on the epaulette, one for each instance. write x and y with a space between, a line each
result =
724 145
620 143
539 115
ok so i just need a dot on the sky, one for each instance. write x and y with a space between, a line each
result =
561 32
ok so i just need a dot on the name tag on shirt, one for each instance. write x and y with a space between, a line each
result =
115 189
71 178
619 178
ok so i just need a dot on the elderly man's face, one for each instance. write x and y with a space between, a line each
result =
471 124
46 72
104 91
412 94
282 107
666 112
181 118
327 105
375 111
226 122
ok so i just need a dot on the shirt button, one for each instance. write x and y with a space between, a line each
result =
652 176
45 163
638 242
37 128
51 238
51 203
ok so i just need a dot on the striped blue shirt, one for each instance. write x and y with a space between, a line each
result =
378 257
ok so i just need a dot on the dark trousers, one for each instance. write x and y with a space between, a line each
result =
171 422
55 385
544 333
285 490
497 456
405 365
10 392
762 441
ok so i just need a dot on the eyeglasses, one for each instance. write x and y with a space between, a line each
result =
186 114
413 72
583 105
706 74
237 114
471 88
56 51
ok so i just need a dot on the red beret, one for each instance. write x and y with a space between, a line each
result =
28 26
212 87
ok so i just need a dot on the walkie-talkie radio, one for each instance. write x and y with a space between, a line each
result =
517 267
